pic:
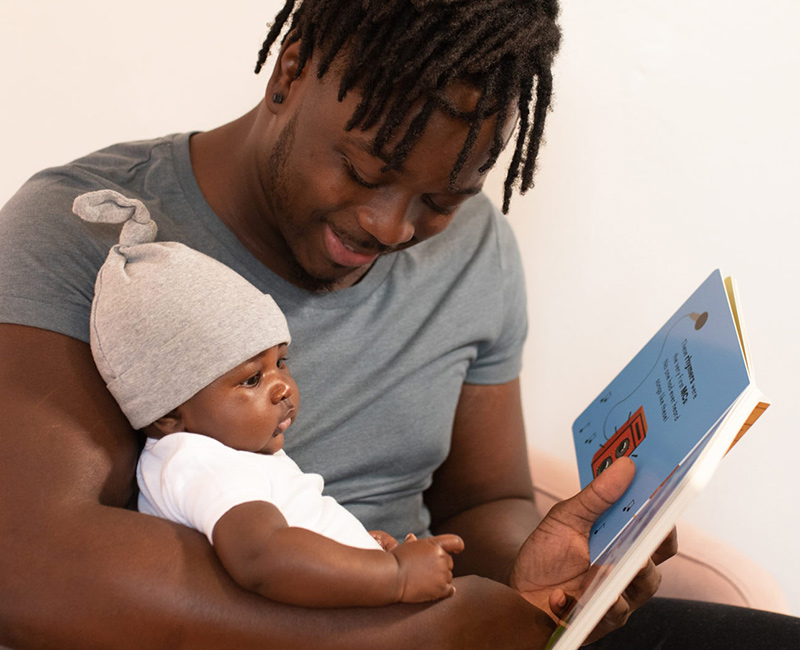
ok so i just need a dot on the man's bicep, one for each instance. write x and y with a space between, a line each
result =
483 491
61 429
488 456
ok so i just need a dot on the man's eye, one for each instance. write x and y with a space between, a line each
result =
446 211
252 382
351 171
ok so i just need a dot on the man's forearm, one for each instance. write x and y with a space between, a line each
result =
78 574
119 579
493 534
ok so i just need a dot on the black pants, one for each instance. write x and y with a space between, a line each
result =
667 624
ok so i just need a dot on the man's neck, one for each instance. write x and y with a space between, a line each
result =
224 167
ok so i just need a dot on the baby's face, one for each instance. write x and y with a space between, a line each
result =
248 408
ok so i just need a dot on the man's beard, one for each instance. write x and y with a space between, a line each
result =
278 184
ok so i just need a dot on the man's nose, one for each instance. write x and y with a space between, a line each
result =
391 222
280 391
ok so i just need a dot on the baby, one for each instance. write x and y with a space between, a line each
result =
196 357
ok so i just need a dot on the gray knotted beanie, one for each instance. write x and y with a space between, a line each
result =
167 320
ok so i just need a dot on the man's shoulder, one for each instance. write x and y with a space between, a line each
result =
121 162
479 232
121 166
477 212
39 216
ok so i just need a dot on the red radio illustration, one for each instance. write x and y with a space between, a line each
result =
622 443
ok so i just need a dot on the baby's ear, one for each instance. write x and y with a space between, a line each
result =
166 424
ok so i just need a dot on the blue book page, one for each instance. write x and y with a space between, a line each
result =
662 403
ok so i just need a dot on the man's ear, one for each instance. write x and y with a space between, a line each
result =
284 75
166 424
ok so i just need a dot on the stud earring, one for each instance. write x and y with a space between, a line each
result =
277 98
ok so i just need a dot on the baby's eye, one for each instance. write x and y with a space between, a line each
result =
282 362
252 382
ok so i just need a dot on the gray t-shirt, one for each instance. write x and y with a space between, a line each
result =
379 365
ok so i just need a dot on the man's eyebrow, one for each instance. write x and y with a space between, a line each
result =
467 191
366 147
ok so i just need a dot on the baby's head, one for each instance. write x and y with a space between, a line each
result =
183 342
247 408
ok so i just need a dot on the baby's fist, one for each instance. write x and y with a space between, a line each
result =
425 567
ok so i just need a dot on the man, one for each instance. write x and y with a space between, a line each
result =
341 192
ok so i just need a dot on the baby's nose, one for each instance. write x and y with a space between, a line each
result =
280 391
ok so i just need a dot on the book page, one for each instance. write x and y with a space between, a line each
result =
663 402
675 409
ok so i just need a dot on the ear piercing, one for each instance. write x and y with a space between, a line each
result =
277 98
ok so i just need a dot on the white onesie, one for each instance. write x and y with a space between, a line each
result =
194 480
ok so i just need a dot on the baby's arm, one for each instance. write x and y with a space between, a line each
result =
299 567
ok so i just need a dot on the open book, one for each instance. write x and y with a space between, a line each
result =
676 409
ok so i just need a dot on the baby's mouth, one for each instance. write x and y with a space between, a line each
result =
284 424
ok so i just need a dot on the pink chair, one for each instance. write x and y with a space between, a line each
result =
704 568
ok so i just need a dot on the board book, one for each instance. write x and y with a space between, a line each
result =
676 409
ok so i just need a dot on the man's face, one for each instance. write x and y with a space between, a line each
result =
248 408
332 203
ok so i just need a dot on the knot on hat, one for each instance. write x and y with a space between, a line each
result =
108 206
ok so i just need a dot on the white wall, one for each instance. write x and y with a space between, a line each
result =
673 149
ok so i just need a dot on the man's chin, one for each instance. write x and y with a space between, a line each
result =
312 282
321 282
323 277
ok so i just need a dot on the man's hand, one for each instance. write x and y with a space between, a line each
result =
426 567
552 567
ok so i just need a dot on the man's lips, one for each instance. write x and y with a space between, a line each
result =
344 255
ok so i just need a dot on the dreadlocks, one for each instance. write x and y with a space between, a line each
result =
401 52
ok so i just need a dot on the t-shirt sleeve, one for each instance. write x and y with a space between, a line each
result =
48 261
499 357
194 481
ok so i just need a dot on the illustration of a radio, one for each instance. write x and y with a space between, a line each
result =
622 443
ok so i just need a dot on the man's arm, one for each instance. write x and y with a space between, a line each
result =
297 566
483 493
78 571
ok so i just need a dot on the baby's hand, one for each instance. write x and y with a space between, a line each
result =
426 568
387 542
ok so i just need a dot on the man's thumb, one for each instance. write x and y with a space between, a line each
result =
606 489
